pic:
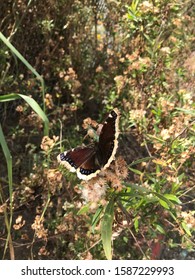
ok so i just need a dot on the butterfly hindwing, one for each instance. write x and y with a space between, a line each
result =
74 158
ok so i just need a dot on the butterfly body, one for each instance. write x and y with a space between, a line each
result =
88 161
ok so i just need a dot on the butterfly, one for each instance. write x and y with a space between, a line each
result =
88 161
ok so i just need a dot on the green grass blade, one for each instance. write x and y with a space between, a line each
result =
25 62
188 112
96 218
8 158
9 97
34 105
140 160
106 229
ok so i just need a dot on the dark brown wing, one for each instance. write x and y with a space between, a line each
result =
89 169
108 142
81 160
74 158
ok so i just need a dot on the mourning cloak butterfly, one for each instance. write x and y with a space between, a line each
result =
88 161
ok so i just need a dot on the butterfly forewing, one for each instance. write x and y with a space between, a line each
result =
108 142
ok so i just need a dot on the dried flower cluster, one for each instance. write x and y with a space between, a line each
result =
71 78
38 227
29 119
189 219
137 115
120 83
95 189
49 101
19 223
88 122
147 6
48 143
117 172
53 179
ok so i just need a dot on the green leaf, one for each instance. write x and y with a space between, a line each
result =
150 136
141 160
83 209
96 217
106 229
136 224
163 200
172 197
140 189
138 172
34 105
148 39
164 204
160 229
186 228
